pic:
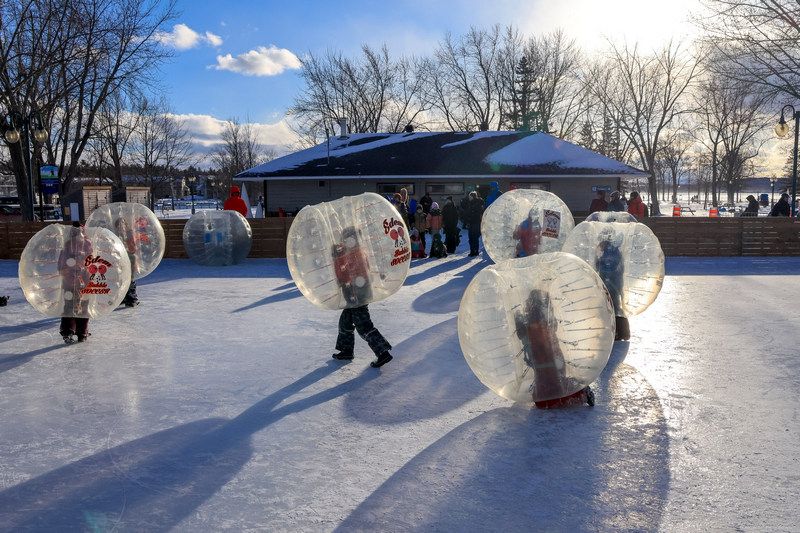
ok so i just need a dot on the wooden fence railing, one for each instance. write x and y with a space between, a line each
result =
689 236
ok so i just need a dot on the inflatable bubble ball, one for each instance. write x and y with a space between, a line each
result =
536 328
217 238
525 222
627 257
139 230
611 216
349 252
74 271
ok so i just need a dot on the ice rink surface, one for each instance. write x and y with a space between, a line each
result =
215 405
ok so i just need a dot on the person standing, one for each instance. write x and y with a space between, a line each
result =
473 215
352 274
402 208
74 277
493 194
636 206
434 219
426 203
781 207
616 203
752 207
450 223
599 203
235 202
128 237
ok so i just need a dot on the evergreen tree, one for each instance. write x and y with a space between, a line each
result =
522 96
587 136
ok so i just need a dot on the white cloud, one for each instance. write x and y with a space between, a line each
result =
182 37
263 61
206 134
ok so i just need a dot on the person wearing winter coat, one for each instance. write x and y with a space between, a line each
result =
352 275
528 235
616 203
437 246
434 219
599 203
472 217
636 206
752 207
450 224
541 352
235 202
493 194
74 277
402 208
610 268
128 237
425 202
781 207
417 245
412 209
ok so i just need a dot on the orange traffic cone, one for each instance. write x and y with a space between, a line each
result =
676 211
713 212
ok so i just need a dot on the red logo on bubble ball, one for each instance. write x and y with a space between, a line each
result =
394 229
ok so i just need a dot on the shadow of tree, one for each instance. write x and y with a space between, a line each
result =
512 469
153 483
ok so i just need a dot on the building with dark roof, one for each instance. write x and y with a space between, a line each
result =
441 164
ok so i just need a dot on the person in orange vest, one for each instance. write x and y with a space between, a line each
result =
235 202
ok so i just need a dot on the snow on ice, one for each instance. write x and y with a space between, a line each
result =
215 405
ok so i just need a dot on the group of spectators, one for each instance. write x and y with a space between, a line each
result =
426 217
632 205
780 209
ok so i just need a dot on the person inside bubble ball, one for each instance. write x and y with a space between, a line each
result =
352 274
74 277
528 234
128 237
536 327
610 267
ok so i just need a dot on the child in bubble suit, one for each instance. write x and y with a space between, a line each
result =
128 237
74 277
528 234
611 269
352 274
536 327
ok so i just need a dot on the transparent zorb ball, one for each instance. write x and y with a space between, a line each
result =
73 271
139 230
349 252
536 328
627 257
217 238
611 216
525 222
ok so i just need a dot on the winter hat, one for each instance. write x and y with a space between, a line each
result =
615 194
434 205
235 190
751 197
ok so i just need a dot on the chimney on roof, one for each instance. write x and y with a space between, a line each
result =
484 126
343 126
409 128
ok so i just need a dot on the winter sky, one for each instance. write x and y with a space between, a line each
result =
241 58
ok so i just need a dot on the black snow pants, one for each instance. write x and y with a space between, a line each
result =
358 319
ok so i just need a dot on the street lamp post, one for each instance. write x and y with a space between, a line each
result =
772 181
782 131
30 126
191 180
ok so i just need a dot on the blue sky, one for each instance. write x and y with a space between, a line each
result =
406 26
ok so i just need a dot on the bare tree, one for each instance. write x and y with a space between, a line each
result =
239 151
756 41
117 122
647 93
674 156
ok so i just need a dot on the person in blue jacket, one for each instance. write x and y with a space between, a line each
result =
493 194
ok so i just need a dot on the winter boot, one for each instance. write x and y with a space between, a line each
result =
343 355
68 339
383 358
623 329
589 396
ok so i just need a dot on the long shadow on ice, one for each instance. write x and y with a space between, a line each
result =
17 331
446 298
733 266
512 469
272 298
175 269
442 265
9 361
428 377
153 483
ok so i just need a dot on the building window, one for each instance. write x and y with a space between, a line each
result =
322 183
391 188
541 185
448 188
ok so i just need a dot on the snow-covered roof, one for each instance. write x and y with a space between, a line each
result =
441 154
